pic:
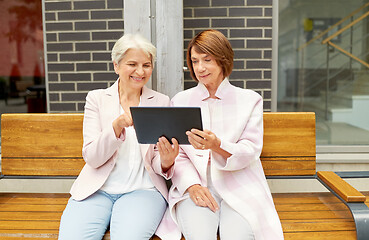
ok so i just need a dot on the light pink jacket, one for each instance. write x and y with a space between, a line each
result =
240 179
100 146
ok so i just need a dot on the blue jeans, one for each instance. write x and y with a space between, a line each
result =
134 216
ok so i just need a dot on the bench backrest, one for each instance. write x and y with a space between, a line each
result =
50 144
289 147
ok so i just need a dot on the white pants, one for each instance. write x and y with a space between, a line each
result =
200 223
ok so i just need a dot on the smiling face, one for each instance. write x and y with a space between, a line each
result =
134 69
206 69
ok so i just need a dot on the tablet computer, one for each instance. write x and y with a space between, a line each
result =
153 122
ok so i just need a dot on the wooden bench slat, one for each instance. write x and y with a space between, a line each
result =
42 166
296 166
347 235
292 173
12 234
318 225
34 234
36 201
30 216
24 196
31 208
28 237
23 135
345 190
28 231
306 197
315 215
30 225
288 159
295 207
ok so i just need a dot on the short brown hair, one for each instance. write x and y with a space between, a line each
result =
215 44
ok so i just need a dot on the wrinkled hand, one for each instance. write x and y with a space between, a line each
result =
124 120
202 197
168 152
203 139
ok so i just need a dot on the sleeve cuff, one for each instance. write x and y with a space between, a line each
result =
185 184
122 135
168 174
227 146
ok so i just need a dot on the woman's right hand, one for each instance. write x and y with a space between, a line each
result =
202 197
124 120
168 152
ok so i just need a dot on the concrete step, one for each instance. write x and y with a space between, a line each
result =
352 87
318 106
339 99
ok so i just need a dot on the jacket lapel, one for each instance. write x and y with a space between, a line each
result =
203 94
113 106
112 101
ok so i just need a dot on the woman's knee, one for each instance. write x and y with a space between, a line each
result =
87 219
233 226
196 223
137 215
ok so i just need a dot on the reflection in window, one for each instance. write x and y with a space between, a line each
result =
323 66
22 72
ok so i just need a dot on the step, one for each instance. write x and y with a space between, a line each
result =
318 107
359 86
340 99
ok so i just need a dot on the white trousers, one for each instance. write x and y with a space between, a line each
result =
200 223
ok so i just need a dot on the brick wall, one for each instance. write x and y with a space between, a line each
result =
79 38
248 26
80 35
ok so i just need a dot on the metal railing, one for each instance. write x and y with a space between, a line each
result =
339 57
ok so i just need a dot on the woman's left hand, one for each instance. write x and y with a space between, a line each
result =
168 152
203 139
206 140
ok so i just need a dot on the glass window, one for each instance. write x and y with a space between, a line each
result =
323 66
22 74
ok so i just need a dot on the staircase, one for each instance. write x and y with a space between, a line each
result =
349 103
354 100
337 98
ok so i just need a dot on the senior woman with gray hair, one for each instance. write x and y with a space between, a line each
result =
122 184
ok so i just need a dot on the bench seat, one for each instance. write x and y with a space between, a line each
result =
303 215
32 215
49 146
314 216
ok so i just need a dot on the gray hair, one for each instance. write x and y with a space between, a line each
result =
135 41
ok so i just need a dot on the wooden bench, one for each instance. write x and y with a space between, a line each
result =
49 146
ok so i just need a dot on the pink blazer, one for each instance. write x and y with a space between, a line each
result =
100 146
240 179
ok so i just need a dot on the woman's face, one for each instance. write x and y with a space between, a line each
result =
134 69
206 69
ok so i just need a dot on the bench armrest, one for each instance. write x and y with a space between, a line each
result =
341 187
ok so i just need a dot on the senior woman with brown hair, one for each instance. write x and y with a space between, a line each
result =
218 181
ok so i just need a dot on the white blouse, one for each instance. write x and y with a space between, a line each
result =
128 173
